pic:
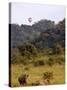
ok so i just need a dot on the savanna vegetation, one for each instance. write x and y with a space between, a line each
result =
38 51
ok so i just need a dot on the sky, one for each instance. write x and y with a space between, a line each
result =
20 12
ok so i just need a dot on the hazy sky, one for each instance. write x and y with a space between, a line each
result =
20 12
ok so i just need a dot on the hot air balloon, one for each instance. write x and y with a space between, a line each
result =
29 19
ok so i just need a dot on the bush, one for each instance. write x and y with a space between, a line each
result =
48 76
60 60
50 62
39 63
26 68
16 56
27 49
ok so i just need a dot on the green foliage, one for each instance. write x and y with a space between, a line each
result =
50 61
42 34
43 37
61 25
57 49
27 49
47 51
23 54
60 60
16 56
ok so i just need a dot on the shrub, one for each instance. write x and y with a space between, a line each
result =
27 49
61 60
16 56
39 63
26 68
50 62
48 76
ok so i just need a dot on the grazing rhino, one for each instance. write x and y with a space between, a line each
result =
23 79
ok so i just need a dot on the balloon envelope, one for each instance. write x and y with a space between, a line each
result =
30 19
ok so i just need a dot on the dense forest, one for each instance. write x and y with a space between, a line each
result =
43 36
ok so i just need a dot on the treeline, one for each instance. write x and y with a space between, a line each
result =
45 37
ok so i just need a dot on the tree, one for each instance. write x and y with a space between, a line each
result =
57 48
27 47
16 56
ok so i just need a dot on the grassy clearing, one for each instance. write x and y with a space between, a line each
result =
35 73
